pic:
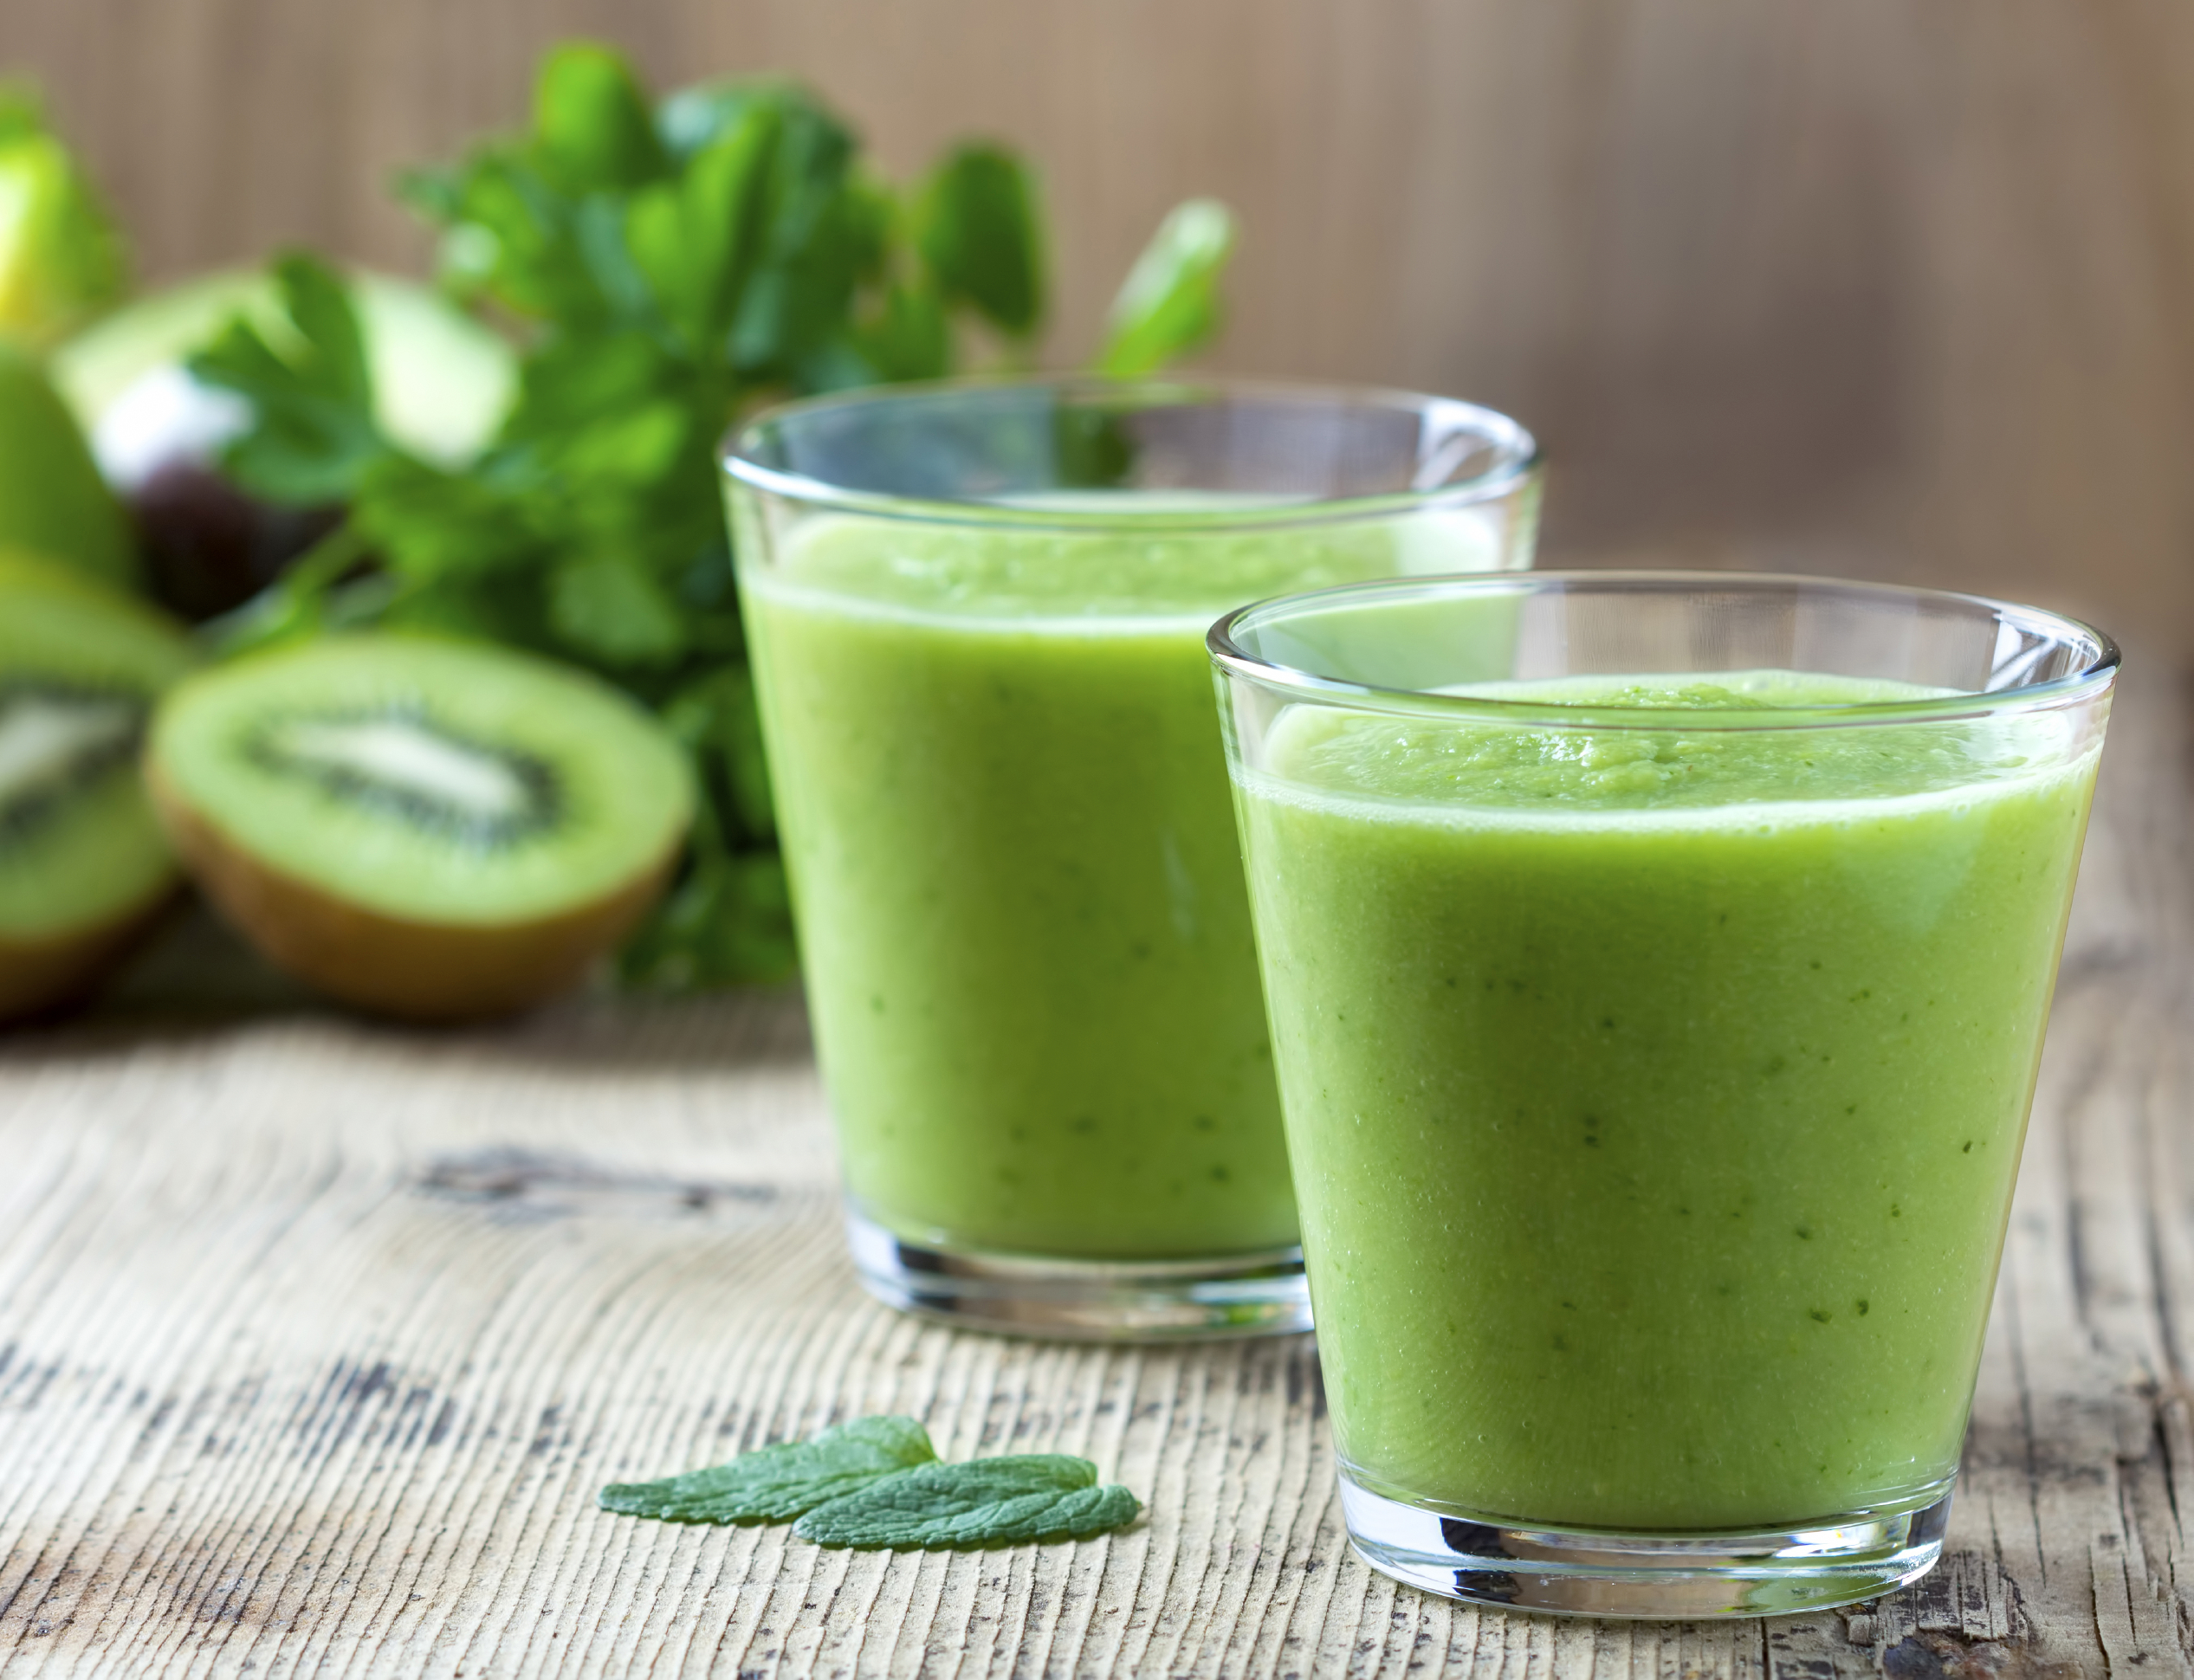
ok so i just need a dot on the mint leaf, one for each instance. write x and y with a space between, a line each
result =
774 1484
990 1501
1170 304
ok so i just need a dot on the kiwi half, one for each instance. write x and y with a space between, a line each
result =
83 867
427 829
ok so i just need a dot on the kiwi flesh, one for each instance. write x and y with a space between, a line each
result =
83 867
426 829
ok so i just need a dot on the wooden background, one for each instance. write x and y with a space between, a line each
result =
1888 287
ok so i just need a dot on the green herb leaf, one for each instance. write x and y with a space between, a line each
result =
699 239
430 524
311 392
909 338
606 606
510 236
990 1501
777 1483
592 130
727 921
719 723
1169 305
980 235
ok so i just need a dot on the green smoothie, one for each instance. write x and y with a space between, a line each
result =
1016 873
1655 1098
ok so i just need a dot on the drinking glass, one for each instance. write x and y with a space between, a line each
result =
976 614
1658 965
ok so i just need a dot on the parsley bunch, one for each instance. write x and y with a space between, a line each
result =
667 268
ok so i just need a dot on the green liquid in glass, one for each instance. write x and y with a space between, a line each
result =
1654 1097
1017 876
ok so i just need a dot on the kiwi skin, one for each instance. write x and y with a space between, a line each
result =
409 971
46 977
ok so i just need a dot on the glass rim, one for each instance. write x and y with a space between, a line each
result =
2099 669
1517 455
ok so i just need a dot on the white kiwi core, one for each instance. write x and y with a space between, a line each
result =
402 755
45 737
434 781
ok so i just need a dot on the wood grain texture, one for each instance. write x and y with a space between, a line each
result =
316 1340
1885 288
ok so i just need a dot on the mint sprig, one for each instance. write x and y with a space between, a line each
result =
777 1484
874 1484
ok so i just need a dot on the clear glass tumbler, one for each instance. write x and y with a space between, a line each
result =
1658 965
976 614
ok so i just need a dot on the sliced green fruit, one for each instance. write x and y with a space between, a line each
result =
53 501
83 867
429 829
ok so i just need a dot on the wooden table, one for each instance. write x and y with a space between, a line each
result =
316 1339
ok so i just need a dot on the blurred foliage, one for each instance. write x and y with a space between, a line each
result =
669 267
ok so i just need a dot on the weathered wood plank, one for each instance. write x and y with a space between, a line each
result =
316 1339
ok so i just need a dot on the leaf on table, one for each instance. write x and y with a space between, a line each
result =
311 390
774 1483
990 1501
979 231
1169 305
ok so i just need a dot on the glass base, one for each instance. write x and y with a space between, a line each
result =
1571 1572
1262 1293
